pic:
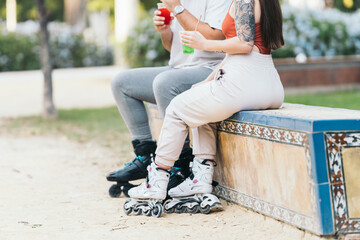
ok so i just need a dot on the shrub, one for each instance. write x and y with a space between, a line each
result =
21 52
149 4
70 50
143 48
341 5
27 10
320 33
18 52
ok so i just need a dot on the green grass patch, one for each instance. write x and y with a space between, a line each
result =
106 127
341 99
103 126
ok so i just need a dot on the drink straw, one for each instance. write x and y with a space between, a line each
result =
197 24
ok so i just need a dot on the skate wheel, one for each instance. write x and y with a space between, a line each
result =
127 210
137 211
193 210
169 210
157 210
147 213
180 209
166 209
115 191
205 210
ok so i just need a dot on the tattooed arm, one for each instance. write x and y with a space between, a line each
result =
245 28
245 20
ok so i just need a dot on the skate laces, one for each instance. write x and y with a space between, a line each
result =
131 163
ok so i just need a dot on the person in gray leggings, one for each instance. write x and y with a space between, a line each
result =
159 85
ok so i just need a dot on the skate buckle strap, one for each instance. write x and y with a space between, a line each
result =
210 160
174 170
131 163
163 169
128 164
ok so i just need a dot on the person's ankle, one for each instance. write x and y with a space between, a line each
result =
162 166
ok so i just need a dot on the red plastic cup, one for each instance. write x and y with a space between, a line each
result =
164 13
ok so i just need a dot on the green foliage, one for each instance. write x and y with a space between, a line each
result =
21 52
99 5
18 53
143 48
72 51
149 4
319 33
341 99
285 52
339 4
2 9
26 9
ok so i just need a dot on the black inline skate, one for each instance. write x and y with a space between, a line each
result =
145 152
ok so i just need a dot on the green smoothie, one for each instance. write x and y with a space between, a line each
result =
187 49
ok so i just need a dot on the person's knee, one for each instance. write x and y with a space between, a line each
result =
118 82
173 107
164 85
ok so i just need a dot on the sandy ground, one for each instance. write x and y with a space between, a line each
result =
52 188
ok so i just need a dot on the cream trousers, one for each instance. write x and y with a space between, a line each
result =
245 82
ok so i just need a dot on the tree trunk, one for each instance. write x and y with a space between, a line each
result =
49 111
75 13
329 3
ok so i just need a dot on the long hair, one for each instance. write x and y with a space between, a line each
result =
271 24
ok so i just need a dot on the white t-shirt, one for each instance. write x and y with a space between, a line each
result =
213 13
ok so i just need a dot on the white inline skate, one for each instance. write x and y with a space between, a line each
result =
194 194
147 198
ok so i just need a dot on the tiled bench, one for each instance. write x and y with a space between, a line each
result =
299 164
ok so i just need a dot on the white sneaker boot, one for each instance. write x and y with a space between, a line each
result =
155 185
199 181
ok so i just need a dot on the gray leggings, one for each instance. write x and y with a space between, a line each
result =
158 85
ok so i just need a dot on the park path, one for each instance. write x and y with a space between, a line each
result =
54 188
21 92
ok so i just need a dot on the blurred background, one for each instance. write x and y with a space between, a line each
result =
92 40
104 32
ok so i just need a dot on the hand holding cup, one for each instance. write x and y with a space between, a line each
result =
193 39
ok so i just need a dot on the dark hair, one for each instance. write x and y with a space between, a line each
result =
271 24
